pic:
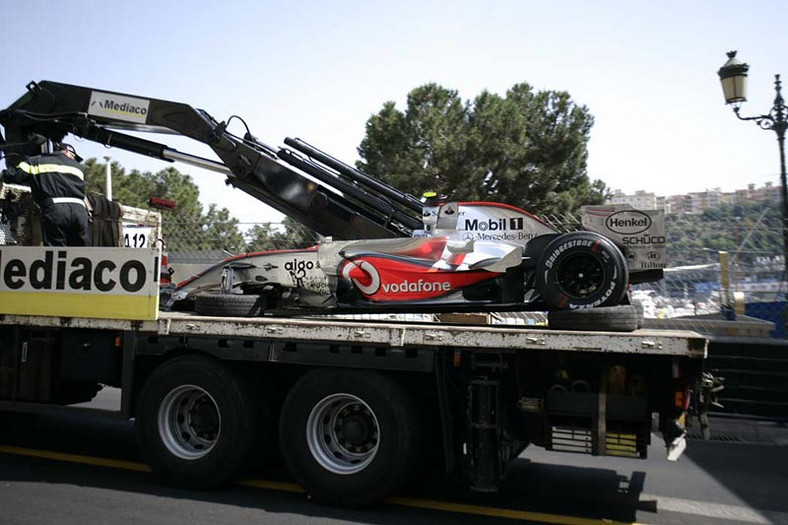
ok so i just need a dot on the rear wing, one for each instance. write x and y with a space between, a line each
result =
639 233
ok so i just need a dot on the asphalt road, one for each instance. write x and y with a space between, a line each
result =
66 466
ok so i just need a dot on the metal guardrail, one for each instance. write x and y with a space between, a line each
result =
754 365
756 376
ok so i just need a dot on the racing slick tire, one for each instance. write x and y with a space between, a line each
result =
582 270
349 437
198 423
622 318
230 305
641 316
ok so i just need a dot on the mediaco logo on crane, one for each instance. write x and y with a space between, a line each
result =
118 107
123 107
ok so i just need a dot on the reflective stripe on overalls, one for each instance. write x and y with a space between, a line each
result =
50 168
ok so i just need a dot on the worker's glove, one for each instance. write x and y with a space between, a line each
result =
10 208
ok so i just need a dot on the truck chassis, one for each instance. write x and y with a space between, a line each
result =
354 408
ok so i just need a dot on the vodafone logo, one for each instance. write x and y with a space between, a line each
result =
363 275
366 278
420 286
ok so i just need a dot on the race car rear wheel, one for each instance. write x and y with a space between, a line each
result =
582 270
230 305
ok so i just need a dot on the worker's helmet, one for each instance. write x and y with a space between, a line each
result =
62 146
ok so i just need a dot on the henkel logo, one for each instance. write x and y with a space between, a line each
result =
628 222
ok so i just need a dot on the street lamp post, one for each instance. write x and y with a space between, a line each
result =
109 179
733 76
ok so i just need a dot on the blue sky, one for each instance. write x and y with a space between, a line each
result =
318 69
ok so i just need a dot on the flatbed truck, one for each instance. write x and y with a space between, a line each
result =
353 407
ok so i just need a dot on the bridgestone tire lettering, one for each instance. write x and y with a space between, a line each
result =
582 270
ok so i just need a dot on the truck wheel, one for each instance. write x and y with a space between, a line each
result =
349 437
230 305
197 422
582 270
622 318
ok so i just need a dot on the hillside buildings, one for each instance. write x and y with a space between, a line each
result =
696 202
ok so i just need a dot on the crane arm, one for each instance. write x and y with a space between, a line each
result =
321 196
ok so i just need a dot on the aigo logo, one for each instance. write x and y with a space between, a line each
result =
628 222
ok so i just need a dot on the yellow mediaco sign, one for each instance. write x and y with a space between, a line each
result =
104 283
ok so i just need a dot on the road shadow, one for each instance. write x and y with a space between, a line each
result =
530 488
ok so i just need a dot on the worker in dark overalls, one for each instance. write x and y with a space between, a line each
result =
57 184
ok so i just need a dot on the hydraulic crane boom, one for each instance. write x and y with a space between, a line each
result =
307 185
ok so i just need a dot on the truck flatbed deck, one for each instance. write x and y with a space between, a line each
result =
392 333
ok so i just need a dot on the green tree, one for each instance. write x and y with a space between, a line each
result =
528 149
187 227
264 237
268 236
220 230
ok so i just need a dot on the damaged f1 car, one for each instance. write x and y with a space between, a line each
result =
469 256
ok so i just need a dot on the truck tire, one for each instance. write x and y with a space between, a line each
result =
622 318
229 305
197 422
349 437
582 270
